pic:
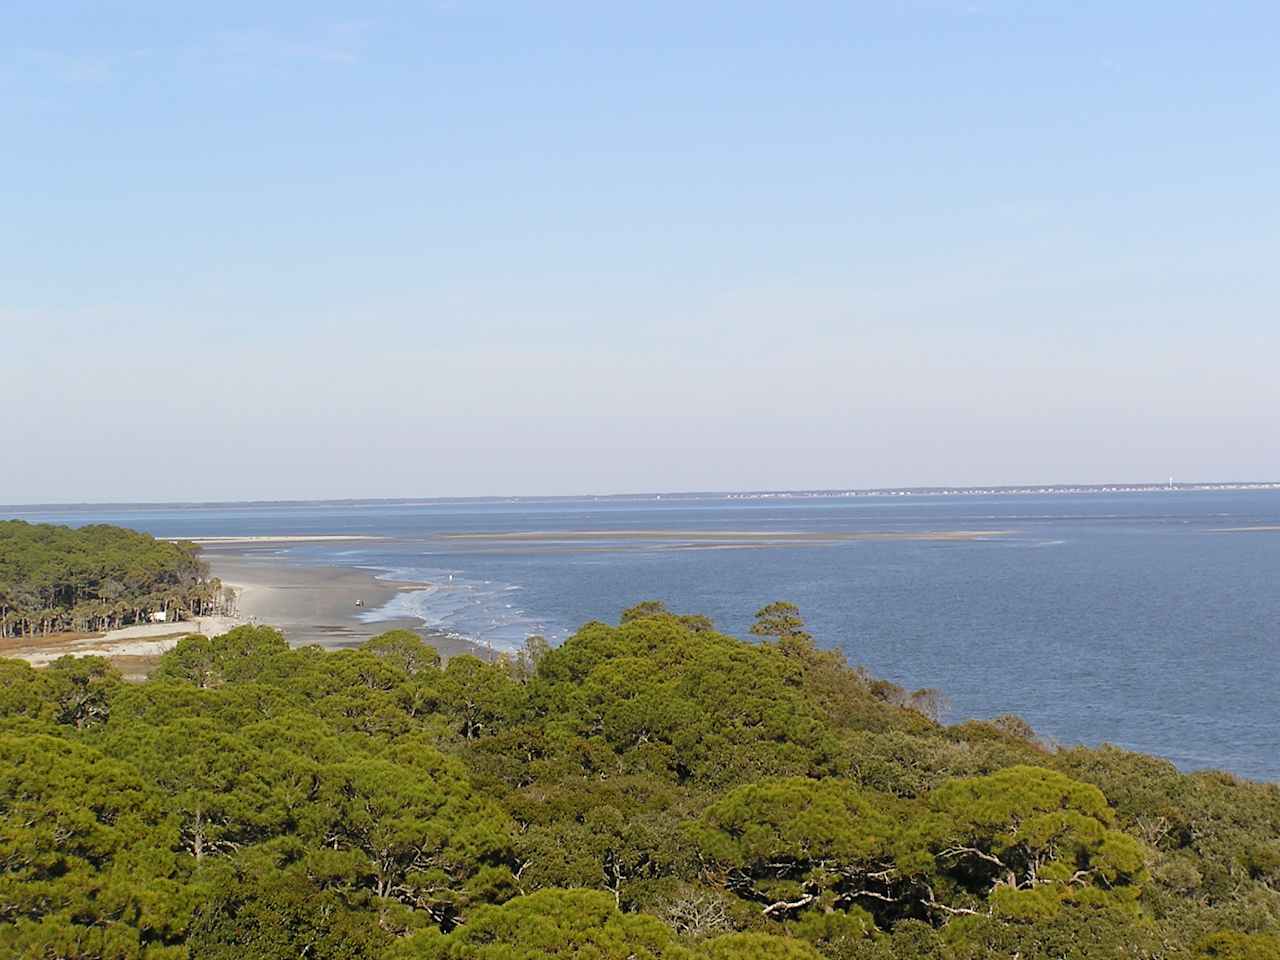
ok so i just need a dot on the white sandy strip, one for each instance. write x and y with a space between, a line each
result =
149 640
299 538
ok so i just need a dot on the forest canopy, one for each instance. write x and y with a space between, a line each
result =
653 789
55 579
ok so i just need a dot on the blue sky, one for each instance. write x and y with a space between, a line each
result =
323 250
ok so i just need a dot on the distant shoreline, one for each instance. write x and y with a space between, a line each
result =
933 490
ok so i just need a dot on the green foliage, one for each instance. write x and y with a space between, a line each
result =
407 826
1072 933
1226 945
621 834
81 690
24 693
279 913
691 706
757 946
653 789
405 649
548 925
86 847
217 784
782 621
238 655
787 828
55 578
657 610
1026 838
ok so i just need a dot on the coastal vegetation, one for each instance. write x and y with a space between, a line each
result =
652 790
55 579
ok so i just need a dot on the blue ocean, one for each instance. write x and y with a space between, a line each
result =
1149 620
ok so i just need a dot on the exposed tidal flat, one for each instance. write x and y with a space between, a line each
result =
1150 620
331 606
759 538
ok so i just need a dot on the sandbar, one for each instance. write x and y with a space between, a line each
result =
745 537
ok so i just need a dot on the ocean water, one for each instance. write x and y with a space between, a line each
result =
1130 618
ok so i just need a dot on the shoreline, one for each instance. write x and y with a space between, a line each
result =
258 538
317 603
308 603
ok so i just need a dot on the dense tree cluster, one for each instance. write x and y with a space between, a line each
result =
55 579
653 790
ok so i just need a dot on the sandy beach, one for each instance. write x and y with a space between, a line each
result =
317 604
133 649
308 604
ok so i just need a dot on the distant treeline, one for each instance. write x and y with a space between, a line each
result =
55 579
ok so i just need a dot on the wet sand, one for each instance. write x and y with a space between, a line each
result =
318 604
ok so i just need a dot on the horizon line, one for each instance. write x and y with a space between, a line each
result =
1111 486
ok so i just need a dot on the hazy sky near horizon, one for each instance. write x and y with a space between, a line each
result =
327 249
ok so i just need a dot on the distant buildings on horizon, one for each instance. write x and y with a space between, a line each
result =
1169 486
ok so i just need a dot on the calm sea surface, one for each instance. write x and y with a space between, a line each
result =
1129 618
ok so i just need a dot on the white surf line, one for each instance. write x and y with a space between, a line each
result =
298 538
